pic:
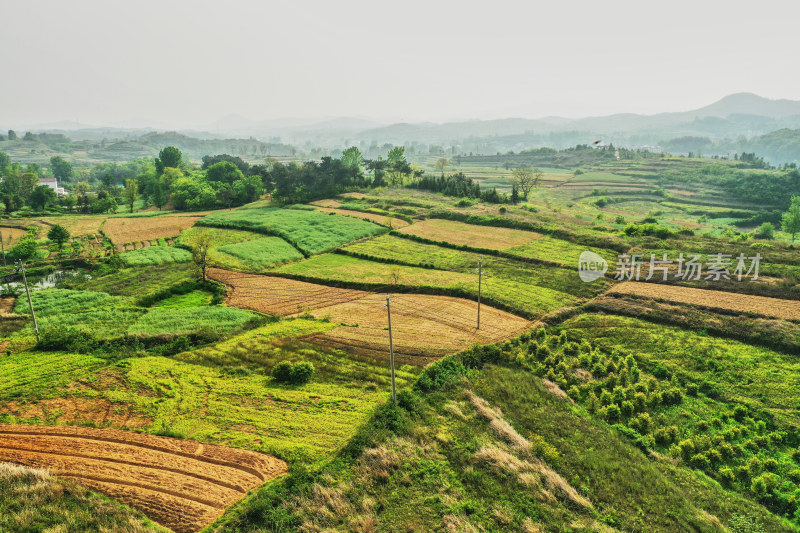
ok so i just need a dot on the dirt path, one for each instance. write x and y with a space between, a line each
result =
181 484
727 301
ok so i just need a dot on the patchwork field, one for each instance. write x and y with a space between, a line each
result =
155 255
727 301
425 327
469 234
383 220
525 297
180 484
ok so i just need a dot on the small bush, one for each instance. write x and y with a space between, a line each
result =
282 372
302 373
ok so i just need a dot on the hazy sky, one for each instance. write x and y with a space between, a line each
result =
189 63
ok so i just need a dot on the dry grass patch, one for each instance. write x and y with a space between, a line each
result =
470 235
127 230
727 301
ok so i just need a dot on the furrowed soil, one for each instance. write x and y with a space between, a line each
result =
181 484
727 301
424 327
126 230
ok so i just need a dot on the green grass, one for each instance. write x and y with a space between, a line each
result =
141 214
139 282
559 251
222 393
261 253
194 298
438 463
52 302
312 232
155 255
526 297
184 320
35 501
398 249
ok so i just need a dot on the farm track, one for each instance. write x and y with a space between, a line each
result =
726 301
181 484
424 327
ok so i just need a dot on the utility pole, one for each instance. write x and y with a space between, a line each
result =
391 347
480 277
30 302
3 246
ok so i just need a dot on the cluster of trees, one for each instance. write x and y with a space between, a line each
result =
524 179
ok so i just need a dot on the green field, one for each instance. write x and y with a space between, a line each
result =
221 393
528 298
312 232
155 255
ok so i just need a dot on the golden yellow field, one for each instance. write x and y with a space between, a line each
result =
424 327
728 301
469 234
383 220
125 230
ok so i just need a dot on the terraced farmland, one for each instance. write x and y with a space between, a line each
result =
180 484
127 230
425 327
727 301
469 234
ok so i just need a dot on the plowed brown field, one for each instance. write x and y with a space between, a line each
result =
424 327
125 230
727 301
181 484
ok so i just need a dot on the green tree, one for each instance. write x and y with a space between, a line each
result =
42 196
12 135
131 192
201 252
62 169
224 172
4 161
442 164
159 196
59 235
168 157
352 158
790 222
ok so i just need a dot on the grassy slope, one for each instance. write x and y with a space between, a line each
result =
219 393
34 501
155 255
438 464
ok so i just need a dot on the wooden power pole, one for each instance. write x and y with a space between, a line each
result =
391 347
30 302
480 277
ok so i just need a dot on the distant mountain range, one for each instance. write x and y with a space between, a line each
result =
730 124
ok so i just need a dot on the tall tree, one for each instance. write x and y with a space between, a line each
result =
442 164
224 172
159 195
12 135
526 179
352 158
790 222
42 196
62 169
201 252
131 192
168 157
4 161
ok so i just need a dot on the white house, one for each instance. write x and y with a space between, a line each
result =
53 184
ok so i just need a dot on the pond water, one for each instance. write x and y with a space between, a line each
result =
48 281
